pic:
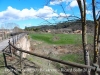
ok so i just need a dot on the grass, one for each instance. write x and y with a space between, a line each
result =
1 64
1 59
70 39
43 64
72 57
60 38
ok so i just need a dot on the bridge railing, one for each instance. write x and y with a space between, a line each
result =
4 36
16 37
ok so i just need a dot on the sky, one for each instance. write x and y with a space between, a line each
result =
26 13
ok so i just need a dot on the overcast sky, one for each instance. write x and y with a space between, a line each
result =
35 12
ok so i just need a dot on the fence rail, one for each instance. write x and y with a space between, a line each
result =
59 61
11 49
7 52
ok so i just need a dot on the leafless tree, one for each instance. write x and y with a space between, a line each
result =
96 23
96 35
82 7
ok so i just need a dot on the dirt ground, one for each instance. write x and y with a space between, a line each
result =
43 48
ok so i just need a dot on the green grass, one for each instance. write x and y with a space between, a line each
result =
57 38
90 39
60 38
72 57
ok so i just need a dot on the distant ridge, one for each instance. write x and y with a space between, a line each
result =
74 25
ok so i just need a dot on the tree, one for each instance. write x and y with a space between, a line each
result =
82 7
96 23
17 30
96 35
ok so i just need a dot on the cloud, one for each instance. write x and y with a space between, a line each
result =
63 15
46 12
14 14
88 12
54 2
73 3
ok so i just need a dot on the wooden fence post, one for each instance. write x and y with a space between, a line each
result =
17 38
9 46
5 59
13 39
2 36
21 64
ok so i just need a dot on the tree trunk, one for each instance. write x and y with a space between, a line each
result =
84 30
99 42
96 36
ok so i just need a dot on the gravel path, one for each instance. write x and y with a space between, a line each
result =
4 43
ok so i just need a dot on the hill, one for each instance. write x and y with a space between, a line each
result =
73 25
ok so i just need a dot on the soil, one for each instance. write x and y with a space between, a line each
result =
43 48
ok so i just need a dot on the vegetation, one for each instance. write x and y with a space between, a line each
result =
1 64
74 25
57 38
72 57
1 59
44 64
60 38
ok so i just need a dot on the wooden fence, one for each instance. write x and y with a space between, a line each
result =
12 51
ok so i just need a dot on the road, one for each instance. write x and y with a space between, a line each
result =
4 43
